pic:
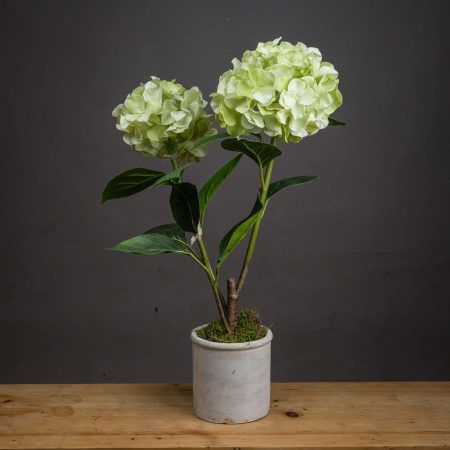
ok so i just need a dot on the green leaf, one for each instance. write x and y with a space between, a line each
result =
237 233
130 182
151 244
211 186
185 206
171 178
169 238
277 186
209 140
171 230
260 152
334 122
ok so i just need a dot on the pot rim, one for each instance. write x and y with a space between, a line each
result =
230 345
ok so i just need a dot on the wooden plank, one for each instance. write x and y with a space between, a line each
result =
306 416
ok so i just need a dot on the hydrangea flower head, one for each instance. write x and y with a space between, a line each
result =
161 118
280 89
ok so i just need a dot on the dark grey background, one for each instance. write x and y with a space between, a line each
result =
353 271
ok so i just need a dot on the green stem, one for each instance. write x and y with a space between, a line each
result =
261 177
198 261
214 285
205 258
254 236
174 164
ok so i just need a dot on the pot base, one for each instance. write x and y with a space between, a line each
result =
229 421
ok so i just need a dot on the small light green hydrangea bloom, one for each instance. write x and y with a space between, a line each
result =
280 89
162 118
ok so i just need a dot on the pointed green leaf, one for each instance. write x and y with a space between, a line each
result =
211 186
209 140
260 152
185 206
173 177
130 182
151 244
172 230
277 186
237 233
334 122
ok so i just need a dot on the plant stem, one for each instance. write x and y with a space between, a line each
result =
212 281
261 177
174 164
198 261
233 303
222 299
254 236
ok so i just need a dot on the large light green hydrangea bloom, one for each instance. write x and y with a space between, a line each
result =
162 118
280 89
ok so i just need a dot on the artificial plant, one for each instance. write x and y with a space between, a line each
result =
279 91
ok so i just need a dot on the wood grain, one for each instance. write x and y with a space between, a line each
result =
410 415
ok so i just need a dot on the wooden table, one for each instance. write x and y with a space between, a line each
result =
159 416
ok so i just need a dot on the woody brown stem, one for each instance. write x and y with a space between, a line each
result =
233 299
